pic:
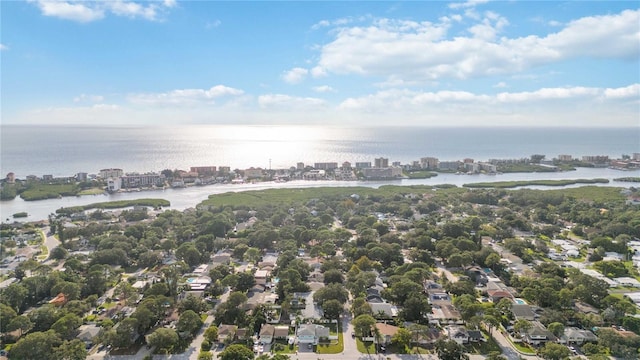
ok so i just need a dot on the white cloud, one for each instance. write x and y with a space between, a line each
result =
88 98
562 106
282 101
500 85
295 75
318 71
394 99
339 22
76 11
631 91
323 89
213 24
87 11
467 4
132 9
423 51
549 94
185 96
571 106
3 47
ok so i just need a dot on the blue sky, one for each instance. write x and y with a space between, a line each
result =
473 63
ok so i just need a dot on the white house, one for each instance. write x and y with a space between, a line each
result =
311 333
266 333
458 334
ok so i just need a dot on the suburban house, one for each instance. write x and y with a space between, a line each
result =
538 334
311 333
522 311
226 333
280 332
383 310
299 300
574 335
87 334
496 290
59 300
386 332
266 333
442 310
222 257
242 334
457 333
476 336
261 277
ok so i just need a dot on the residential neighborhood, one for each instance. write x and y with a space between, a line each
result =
331 272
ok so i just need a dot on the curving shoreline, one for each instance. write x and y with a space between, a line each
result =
189 197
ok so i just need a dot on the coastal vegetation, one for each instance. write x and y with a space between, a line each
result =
154 203
628 179
38 190
422 174
513 184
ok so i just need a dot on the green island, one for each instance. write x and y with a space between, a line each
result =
420 174
34 190
628 179
155 203
520 168
22 214
513 184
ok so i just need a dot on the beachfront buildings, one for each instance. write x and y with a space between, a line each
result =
203 170
381 162
135 180
325 165
429 163
110 173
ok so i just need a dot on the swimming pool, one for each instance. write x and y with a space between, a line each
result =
520 301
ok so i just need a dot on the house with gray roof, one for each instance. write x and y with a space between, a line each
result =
573 335
538 334
522 311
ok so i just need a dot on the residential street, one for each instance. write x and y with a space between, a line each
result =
508 349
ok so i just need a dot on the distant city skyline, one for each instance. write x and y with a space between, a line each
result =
473 63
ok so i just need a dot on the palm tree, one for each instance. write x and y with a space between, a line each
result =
491 322
522 325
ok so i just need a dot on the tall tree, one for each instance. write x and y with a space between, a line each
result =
364 325
71 350
21 323
450 350
332 309
36 345
552 351
163 338
189 322
236 352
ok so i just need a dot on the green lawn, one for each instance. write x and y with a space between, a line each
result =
332 348
484 348
288 349
44 253
523 348
366 347
92 191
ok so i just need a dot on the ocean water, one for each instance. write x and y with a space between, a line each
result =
67 150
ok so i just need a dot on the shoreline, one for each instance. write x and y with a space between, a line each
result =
189 197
